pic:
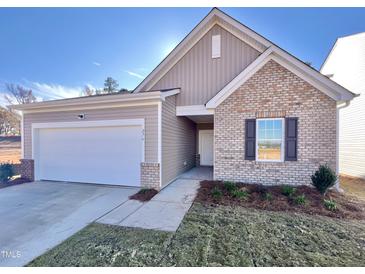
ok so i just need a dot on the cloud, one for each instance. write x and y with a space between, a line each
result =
55 91
134 74
45 91
97 64
3 102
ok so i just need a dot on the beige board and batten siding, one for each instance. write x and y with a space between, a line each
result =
200 76
346 66
149 113
178 142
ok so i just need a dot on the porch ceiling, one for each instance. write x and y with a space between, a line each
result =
201 118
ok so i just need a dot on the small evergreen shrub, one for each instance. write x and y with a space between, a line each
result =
300 200
6 172
323 179
144 190
261 189
230 186
216 193
288 190
330 205
267 196
240 194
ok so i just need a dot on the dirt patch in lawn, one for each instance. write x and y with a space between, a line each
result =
304 199
144 195
10 149
353 186
14 182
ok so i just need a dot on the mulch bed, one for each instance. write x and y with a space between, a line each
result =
17 181
144 195
347 207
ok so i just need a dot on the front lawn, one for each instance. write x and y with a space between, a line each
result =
215 235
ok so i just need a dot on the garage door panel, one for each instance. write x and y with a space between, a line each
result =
105 155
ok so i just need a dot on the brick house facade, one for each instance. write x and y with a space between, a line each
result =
194 108
281 94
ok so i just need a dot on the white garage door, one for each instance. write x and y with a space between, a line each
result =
103 155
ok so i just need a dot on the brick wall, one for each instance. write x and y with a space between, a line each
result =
150 175
275 92
27 169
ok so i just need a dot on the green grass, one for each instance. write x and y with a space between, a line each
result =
216 236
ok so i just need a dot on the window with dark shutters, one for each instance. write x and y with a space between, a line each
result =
291 139
250 139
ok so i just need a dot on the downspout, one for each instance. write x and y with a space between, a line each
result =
339 106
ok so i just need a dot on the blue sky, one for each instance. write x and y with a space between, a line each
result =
56 52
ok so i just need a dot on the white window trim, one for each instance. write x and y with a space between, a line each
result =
282 138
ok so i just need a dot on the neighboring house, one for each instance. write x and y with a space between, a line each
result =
345 64
225 97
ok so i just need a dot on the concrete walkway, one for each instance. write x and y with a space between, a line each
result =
166 210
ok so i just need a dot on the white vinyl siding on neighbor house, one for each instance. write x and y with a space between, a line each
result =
346 65
200 76
148 113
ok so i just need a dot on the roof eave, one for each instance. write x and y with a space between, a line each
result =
93 101
312 76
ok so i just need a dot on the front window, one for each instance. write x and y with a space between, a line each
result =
269 144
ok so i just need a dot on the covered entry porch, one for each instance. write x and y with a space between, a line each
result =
204 135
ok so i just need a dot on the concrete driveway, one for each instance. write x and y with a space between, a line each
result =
37 216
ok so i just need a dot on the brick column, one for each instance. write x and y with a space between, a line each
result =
27 169
197 160
150 175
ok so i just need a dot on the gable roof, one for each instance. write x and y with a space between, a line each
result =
267 49
214 17
313 77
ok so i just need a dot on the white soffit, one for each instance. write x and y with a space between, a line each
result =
193 110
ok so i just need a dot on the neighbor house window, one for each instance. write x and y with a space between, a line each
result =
270 139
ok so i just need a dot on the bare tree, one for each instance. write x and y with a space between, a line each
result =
18 94
87 91
9 122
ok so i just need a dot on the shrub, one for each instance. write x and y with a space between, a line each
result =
330 205
300 200
238 193
230 186
267 196
6 172
216 193
323 179
288 190
144 190
261 189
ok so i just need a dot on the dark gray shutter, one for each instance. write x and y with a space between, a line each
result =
291 139
250 139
